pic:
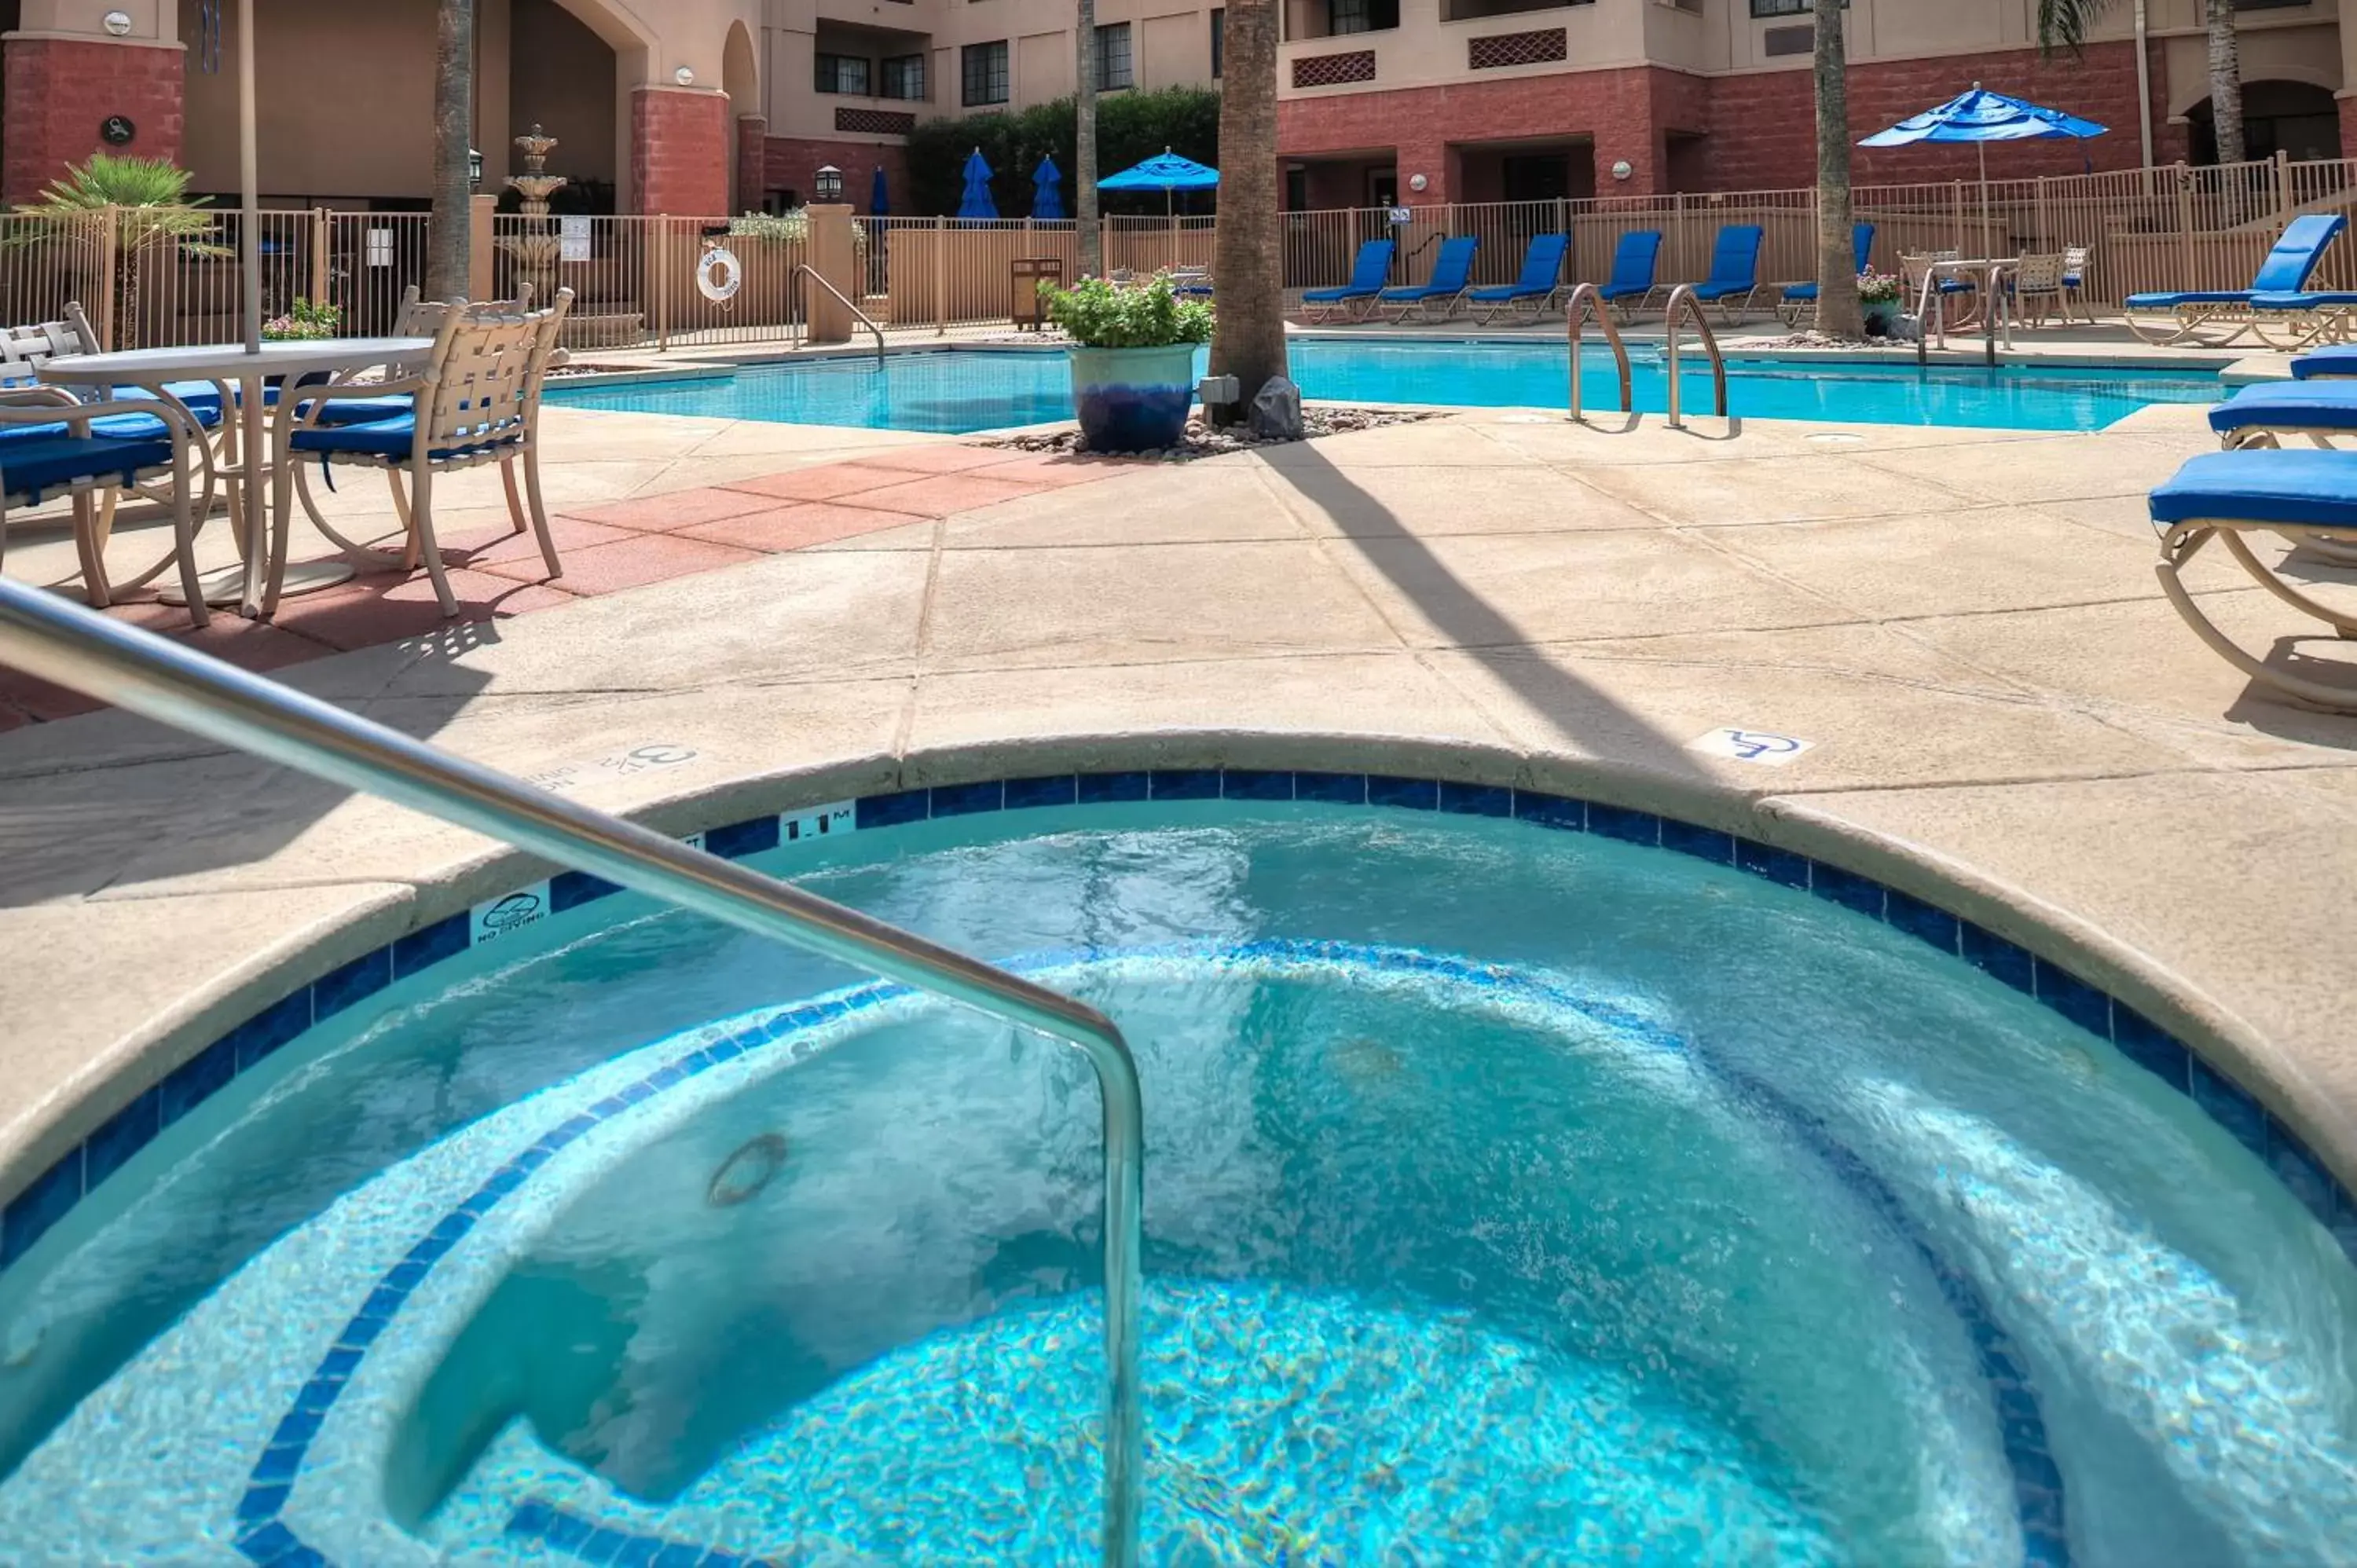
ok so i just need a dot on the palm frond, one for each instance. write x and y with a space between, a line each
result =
2064 24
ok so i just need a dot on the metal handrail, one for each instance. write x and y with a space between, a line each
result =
1995 301
1684 294
46 636
805 269
1575 307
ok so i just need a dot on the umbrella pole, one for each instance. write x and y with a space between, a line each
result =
254 527
1171 221
1982 148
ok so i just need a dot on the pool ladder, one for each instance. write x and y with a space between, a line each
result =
1683 296
1585 300
46 636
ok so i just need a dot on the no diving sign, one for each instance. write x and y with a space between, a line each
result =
1758 745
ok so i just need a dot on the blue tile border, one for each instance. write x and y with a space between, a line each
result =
53 1193
263 1538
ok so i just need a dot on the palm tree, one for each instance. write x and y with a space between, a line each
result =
449 250
1248 342
151 212
2063 23
1085 149
1838 311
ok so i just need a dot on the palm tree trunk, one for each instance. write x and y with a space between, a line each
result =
1249 341
2226 81
448 251
1085 147
1838 312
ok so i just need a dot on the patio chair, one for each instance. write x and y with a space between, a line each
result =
475 401
2037 286
1634 259
2215 318
52 445
1354 299
1799 299
1914 266
2304 497
1734 270
1541 281
1452 273
2074 284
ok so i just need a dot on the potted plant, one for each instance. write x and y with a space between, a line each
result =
304 323
1879 294
1134 359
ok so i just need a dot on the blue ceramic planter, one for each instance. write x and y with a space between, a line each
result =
1132 400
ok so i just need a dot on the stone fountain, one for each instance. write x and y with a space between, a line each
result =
537 246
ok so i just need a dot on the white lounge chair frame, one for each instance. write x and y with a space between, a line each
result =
2184 540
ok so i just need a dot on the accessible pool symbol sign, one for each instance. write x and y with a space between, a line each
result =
1751 746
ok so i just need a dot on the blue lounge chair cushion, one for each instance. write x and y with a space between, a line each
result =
337 411
1542 273
1501 293
1452 271
1721 290
114 426
2288 405
1367 271
1633 260
2337 360
1734 262
32 466
2298 486
1347 291
2295 300
1799 291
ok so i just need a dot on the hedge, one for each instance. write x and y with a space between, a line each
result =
1131 127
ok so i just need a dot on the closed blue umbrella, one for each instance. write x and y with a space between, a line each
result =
1048 190
879 196
1982 117
976 203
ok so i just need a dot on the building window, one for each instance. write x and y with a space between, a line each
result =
986 73
904 76
841 73
1114 69
1219 43
1790 8
1362 15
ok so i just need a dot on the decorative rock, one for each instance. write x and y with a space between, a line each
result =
1204 441
1277 410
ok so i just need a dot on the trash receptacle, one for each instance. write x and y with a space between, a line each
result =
1028 273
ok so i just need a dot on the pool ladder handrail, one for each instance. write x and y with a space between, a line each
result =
1576 305
1684 297
45 635
803 269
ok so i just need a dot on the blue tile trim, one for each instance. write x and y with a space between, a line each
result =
53 1193
264 1538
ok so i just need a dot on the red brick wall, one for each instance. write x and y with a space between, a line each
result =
1751 131
679 152
794 162
752 162
1770 140
60 92
2348 127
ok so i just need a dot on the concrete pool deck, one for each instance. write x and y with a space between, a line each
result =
2003 712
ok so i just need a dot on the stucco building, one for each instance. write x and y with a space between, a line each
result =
705 106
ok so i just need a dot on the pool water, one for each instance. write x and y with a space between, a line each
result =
957 392
1511 1196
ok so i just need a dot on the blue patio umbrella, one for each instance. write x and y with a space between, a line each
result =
976 203
1048 190
1981 117
1166 172
879 196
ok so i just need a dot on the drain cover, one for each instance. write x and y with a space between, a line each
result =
744 1174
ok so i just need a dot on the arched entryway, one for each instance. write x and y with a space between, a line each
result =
740 79
2297 118
563 77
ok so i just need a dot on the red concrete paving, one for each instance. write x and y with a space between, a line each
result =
496 575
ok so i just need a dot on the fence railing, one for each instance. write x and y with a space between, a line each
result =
641 282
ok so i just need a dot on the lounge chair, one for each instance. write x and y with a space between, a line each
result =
1354 299
2305 497
2219 317
1452 271
1799 299
1634 259
1734 270
1542 279
2323 364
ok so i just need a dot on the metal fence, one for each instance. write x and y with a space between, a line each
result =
639 282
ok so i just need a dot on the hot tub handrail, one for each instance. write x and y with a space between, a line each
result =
46 636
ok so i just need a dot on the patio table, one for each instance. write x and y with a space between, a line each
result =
154 369
1987 274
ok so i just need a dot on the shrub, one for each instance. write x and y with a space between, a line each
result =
1876 288
1098 315
305 322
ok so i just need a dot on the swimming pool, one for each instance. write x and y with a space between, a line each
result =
1519 1189
957 392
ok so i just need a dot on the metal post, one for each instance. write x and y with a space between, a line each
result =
320 242
941 275
45 635
109 256
2283 202
2185 228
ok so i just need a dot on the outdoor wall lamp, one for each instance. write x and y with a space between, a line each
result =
118 23
1418 182
1622 169
830 183
685 76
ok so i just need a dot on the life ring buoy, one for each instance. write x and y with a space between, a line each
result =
719 275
